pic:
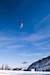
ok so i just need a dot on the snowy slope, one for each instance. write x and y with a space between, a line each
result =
41 65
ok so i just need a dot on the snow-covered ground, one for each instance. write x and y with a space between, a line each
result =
3 72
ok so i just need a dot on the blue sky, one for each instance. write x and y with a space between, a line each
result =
30 43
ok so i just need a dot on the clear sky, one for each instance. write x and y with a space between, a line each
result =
30 43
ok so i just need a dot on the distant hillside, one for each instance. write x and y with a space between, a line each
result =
41 65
